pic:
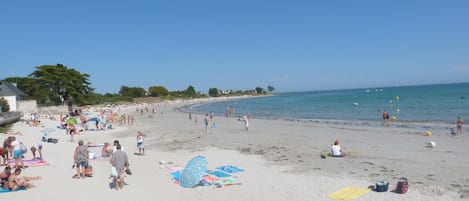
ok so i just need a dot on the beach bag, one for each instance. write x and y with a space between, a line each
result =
402 185
382 186
89 171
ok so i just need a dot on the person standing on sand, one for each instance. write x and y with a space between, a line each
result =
386 118
140 144
81 159
246 122
206 122
459 123
120 162
17 152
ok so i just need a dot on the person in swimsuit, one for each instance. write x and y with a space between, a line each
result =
15 181
459 123
4 176
106 151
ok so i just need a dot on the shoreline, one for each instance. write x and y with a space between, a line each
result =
416 134
433 126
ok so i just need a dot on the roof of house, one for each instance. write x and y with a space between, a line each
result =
8 89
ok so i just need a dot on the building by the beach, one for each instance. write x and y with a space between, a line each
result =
17 99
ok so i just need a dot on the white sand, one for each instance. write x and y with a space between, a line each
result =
281 159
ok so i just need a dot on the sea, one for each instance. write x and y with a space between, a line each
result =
435 104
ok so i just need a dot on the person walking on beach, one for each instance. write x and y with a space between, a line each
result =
81 159
246 122
459 123
140 145
119 162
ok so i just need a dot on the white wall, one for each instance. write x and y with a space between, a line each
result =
27 106
11 102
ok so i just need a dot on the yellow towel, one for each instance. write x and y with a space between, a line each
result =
348 193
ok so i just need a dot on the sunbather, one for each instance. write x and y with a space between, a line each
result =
4 177
106 151
15 181
12 132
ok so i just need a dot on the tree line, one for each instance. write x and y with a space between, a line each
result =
59 84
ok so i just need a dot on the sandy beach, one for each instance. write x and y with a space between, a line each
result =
281 160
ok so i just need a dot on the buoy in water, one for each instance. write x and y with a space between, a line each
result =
355 104
394 118
398 111
397 98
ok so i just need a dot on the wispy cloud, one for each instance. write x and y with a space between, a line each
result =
461 68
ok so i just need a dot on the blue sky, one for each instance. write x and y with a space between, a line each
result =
291 45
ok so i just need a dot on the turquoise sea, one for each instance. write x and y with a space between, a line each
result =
441 103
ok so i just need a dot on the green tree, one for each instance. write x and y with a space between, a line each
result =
133 92
191 91
4 105
158 91
31 87
63 84
270 88
213 92
259 90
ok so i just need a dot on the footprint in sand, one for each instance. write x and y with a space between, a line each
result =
373 175
368 163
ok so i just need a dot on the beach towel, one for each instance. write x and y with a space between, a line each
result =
96 145
99 157
229 169
5 190
218 173
30 163
348 193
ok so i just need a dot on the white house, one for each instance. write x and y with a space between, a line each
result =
12 94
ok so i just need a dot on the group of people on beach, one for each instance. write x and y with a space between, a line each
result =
10 178
15 149
118 159
13 181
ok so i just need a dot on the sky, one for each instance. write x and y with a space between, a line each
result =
243 44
